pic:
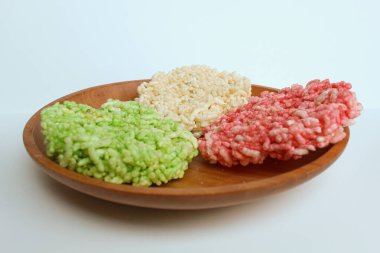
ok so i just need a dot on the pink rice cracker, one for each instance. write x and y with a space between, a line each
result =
284 125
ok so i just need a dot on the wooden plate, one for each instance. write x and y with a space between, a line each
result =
203 186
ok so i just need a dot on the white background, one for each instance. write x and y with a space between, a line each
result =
51 48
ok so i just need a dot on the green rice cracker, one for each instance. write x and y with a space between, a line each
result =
121 142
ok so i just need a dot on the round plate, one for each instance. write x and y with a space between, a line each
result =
203 186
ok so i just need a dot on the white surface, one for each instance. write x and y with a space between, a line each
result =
51 48
335 212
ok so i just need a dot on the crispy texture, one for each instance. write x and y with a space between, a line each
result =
122 142
284 125
194 96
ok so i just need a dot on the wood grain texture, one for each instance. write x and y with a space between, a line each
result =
203 186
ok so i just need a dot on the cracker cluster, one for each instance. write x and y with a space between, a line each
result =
194 96
121 142
284 125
